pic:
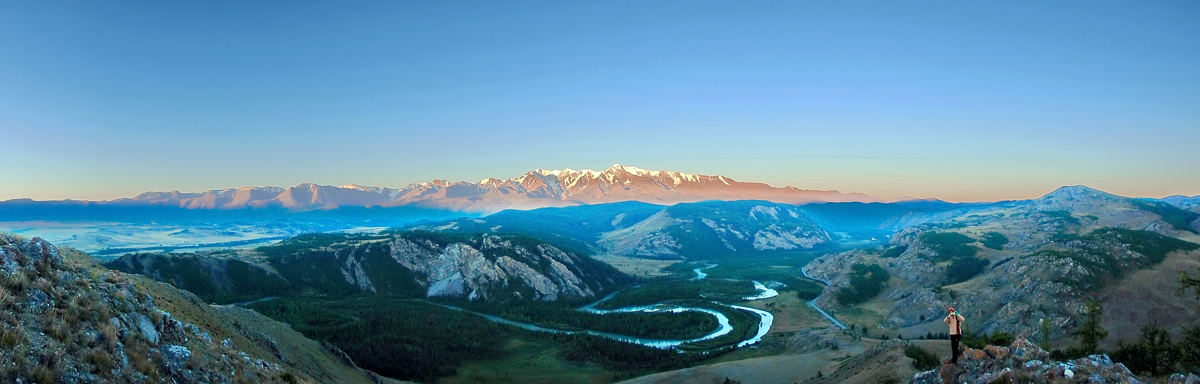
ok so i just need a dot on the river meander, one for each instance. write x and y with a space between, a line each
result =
723 328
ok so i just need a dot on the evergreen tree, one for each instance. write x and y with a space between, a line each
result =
1187 282
1161 353
1046 334
1154 353
1091 332
1190 348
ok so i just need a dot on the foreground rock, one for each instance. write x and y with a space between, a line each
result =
65 320
1024 362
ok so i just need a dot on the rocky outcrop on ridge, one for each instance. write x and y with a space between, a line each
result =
64 321
1024 362
490 267
699 230
1062 248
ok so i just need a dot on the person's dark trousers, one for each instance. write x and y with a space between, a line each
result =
954 348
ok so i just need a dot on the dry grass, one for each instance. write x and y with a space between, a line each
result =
139 358
44 375
44 285
17 282
9 337
7 299
49 368
100 359
57 328
110 335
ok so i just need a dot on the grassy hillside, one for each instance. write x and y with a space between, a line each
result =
66 319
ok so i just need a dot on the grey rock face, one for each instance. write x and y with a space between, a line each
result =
1022 362
40 250
38 300
461 270
142 324
1179 378
175 356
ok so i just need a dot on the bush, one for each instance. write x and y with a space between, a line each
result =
949 245
895 251
994 240
922 360
866 281
100 359
963 269
1154 353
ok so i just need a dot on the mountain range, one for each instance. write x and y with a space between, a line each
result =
535 189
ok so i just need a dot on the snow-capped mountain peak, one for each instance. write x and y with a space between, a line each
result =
535 189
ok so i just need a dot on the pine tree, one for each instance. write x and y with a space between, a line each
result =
1161 353
1187 282
1190 358
1046 334
1092 331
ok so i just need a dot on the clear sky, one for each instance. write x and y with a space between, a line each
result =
976 100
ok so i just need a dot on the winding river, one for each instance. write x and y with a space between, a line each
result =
701 275
724 327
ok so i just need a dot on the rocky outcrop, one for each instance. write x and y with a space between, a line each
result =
494 268
67 321
1047 273
1024 362
698 230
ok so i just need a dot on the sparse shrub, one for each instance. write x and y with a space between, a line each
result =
57 328
9 336
7 300
48 369
44 375
17 282
288 377
110 335
100 359
44 285
139 358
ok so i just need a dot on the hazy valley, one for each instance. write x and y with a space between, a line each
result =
620 274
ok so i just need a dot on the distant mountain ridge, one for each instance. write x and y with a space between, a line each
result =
535 189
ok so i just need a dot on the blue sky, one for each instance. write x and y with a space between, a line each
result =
959 100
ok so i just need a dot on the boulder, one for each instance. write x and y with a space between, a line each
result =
175 356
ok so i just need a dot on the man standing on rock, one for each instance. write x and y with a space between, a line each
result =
955 322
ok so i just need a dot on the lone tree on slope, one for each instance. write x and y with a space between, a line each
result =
1091 331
